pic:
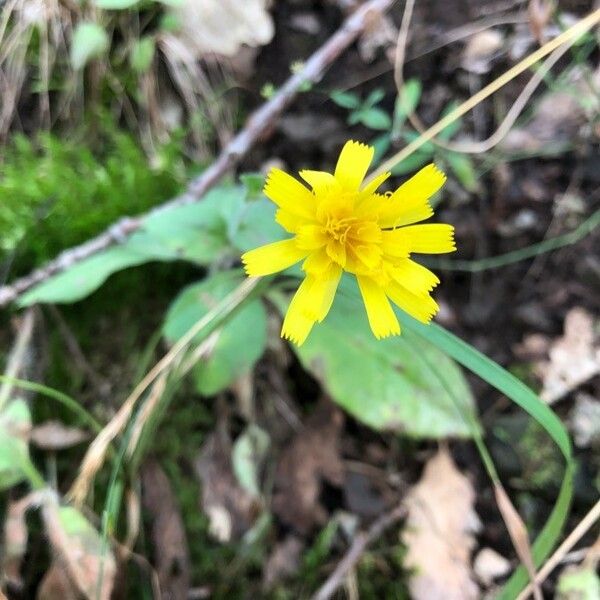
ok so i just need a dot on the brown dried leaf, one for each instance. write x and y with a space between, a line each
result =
230 508
53 435
480 50
171 553
79 550
539 12
574 358
15 541
518 534
489 566
56 585
313 456
284 561
439 533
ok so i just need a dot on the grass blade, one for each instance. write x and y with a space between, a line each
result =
519 393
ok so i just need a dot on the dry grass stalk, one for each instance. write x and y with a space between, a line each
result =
96 453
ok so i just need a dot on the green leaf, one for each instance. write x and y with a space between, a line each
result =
519 393
406 102
115 4
89 41
257 226
381 144
376 96
375 118
241 340
15 422
142 54
413 162
385 384
462 166
200 232
345 99
454 127
248 454
254 182
581 583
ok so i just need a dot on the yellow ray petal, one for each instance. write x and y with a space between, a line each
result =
272 258
421 307
296 325
432 238
353 163
289 194
381 316
310 304
317 262
413 276
394 244
311 237
370 188
319 181
409 203
290 222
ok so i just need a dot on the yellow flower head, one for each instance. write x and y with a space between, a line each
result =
342 225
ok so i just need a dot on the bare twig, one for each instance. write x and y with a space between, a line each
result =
257 125
18 358
356 550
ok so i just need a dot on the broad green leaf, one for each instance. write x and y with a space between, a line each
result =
241 340
115 4
345 99
142 54
254 183
386 384
375 118
248 454
15 422
257 226
89 41
199 232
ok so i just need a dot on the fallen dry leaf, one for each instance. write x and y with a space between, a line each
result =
585 421
480 50
439 533
56 585
574 358
558 117
171 555
223 26
230 508
489 565
313 456
53 435
79 550
283 562
15 542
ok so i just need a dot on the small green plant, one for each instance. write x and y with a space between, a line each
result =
367 112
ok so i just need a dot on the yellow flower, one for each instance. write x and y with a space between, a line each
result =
342 225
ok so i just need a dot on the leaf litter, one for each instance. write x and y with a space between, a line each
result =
440 533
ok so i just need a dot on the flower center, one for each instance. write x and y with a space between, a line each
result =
338 229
